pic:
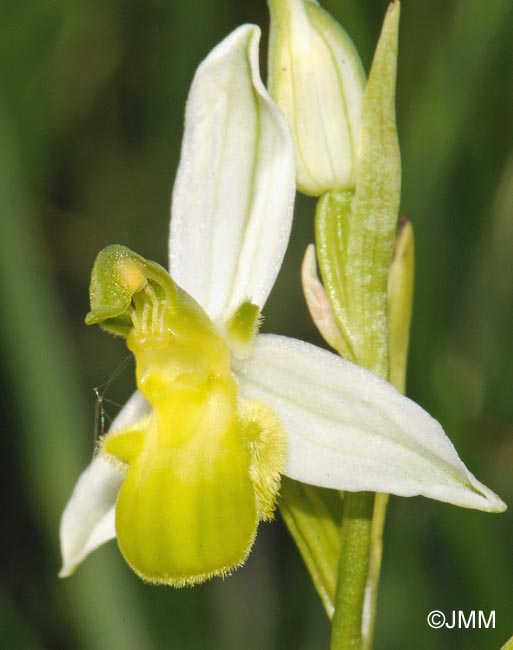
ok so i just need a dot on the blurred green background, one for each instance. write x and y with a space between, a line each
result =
91 106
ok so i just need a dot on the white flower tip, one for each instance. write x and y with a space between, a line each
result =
485 499
88 519
465 491
497 505
67 570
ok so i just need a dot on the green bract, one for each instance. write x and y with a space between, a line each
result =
400 299
356 232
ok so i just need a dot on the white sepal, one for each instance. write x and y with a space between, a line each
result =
234 191
350 430
88 519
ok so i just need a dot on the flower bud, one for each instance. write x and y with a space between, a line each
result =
317 79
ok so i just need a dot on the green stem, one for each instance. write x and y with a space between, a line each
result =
355 235
353 621
356 544
375 555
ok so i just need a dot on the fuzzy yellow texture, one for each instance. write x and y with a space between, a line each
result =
204 467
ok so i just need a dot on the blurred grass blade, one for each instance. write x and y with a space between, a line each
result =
437 125
38 356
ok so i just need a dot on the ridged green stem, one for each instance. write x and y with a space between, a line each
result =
356 543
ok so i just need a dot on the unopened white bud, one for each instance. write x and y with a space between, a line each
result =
317 79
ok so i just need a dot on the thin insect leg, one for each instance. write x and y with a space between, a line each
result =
120 368
99 416
102 419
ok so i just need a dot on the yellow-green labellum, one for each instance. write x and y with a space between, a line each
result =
204 466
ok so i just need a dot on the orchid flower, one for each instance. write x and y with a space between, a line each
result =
193 461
